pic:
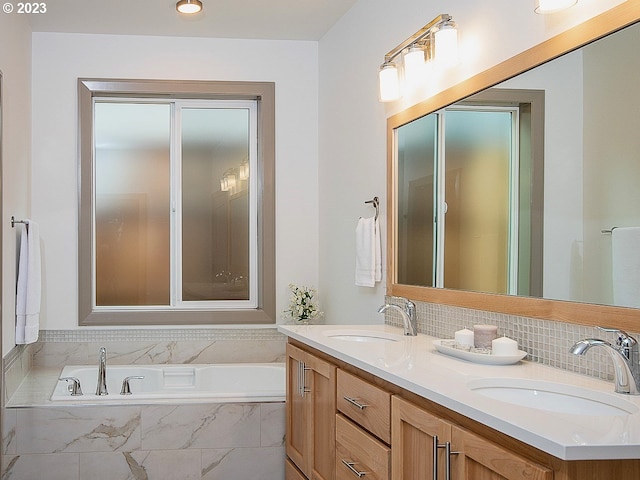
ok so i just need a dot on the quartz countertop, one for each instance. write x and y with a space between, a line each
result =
414 364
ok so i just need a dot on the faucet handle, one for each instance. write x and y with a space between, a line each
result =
74 389
126 388
624 339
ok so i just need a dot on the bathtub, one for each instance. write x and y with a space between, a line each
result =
224 383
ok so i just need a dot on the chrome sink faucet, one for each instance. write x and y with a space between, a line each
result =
625 355
101 389
408 316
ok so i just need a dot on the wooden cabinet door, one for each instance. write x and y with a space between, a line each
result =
413 433
320 380
477 458
311 408
297 443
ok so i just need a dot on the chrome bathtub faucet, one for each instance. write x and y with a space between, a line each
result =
408 316
625 355
101 389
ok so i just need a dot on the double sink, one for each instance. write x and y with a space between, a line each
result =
536 394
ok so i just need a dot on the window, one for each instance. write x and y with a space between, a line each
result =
176 202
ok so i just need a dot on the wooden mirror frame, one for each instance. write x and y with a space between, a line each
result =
624 318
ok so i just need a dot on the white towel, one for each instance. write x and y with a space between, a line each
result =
29 285
625 247
368 252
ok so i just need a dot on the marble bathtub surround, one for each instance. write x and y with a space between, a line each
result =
204 441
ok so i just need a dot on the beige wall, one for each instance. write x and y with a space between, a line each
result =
15 65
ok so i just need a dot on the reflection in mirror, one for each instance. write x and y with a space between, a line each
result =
464 197
466 186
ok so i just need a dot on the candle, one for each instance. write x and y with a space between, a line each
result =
483 335
464 337
504 346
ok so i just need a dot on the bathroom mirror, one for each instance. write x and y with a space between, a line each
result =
570 263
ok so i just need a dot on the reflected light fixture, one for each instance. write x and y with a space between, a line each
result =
551 6
437 40
189 7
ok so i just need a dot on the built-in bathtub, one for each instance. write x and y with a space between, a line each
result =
222 383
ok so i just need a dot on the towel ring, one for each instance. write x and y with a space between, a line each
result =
376 205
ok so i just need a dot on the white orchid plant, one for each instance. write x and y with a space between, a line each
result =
303 304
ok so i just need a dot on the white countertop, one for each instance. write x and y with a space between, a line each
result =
414 364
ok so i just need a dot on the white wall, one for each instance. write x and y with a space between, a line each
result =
353 122
59 59
15 65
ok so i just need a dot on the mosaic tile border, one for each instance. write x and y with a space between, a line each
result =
159 335
545 341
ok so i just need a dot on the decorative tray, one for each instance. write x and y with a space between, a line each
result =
485 358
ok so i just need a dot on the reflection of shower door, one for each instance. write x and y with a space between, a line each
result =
477 202
458 200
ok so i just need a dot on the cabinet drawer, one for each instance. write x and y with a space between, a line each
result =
365 404
358 452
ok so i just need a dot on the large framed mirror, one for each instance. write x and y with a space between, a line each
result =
503 190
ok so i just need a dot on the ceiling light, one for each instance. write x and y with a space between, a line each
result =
189 6
438 38
550 6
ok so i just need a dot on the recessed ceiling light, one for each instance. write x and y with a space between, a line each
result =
189 6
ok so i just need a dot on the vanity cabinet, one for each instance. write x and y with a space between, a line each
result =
310 419
343 421
449 452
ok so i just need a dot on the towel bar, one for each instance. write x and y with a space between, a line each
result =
14 221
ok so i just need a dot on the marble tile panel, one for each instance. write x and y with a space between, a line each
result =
200 426
272 424
142 465
9 418
78 429
47 354
243 464
62 466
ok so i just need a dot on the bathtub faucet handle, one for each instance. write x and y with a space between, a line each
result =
74 389
126 389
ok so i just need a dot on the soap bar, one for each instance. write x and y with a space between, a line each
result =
483 335
464 337
504 346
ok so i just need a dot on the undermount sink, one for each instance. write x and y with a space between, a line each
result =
552 397
362 336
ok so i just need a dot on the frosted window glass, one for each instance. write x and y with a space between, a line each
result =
215 204
132 214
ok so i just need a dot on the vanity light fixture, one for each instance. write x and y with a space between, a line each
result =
437 40
243 172
551 6
189 7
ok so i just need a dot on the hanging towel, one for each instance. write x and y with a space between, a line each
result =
368 252
29 285
625 247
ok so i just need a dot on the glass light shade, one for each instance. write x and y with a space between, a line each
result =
231 181
244 170
550 6
389 83
414 64
189 6
223 185
446 44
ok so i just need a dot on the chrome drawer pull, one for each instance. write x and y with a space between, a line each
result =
350 467
354 402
